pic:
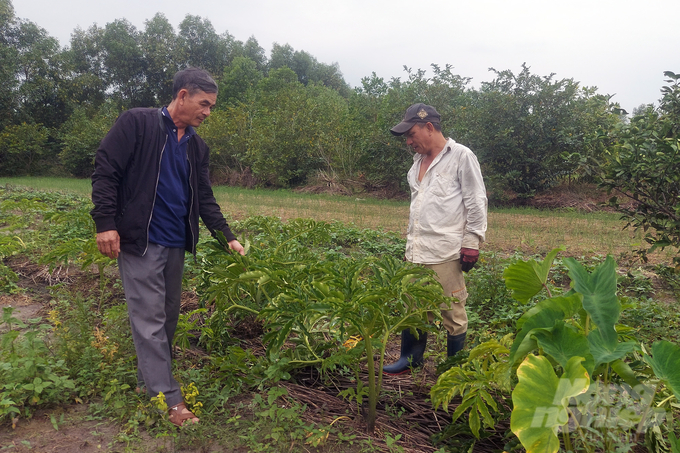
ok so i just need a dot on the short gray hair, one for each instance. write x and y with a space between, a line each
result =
193 80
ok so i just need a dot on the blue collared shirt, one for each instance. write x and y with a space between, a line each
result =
169 220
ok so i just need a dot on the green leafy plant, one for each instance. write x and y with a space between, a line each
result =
644 169
311 303
581 353
580 374
9 245
29 375
276 421
482 382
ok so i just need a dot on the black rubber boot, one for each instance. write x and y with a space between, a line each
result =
455 343
412 350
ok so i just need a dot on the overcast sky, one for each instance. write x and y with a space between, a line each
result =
622 47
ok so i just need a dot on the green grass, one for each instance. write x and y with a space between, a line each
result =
526 230
71 185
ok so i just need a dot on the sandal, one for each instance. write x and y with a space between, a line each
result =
179 414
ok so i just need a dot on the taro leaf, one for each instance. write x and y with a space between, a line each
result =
540 401
562 343
527 278
665 362
542 316
522 347
625 372
569 304
599 297
605 354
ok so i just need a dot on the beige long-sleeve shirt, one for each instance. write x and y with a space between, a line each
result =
448 207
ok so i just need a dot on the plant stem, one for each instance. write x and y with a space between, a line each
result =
372 390
580 430
240 307
644 416
566 438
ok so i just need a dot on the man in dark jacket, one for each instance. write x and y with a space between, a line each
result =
149 187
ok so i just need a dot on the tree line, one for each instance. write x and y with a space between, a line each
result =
285 120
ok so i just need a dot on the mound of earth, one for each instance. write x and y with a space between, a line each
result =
580 197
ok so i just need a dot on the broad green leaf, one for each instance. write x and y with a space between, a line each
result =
599 297
665 361
542 316
526 278
602 353
520 349
569 304
562 343
540 401
625 372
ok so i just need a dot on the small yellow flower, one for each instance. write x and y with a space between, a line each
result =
352 342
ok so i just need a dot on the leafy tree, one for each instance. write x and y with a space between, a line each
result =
160 47
227 132
80 137
22 149
238 81
84 63
279 153
523 126
296 130
379 105
125 64
38 74
202 47
644 172
281 55
8 63
253 50
307 68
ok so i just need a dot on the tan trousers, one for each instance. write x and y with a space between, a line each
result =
450 275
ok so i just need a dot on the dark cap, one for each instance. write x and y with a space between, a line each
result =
417 113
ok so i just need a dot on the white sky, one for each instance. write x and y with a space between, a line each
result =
620 46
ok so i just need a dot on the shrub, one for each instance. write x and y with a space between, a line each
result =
645 171
80 137
23 149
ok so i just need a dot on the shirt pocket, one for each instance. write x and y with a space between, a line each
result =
441 185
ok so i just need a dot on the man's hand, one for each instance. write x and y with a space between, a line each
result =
468 258
108 242
237 247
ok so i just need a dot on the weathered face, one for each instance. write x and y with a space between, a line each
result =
419 138
194 108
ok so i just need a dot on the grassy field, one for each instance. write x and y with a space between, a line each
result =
519 229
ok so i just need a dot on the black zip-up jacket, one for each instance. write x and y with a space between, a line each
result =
126 171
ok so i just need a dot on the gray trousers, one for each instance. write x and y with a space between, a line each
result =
153 286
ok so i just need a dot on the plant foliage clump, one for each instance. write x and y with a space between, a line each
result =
644 172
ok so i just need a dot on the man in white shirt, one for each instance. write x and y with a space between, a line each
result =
447 223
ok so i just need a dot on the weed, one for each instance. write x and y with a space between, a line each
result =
276 422
30 374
